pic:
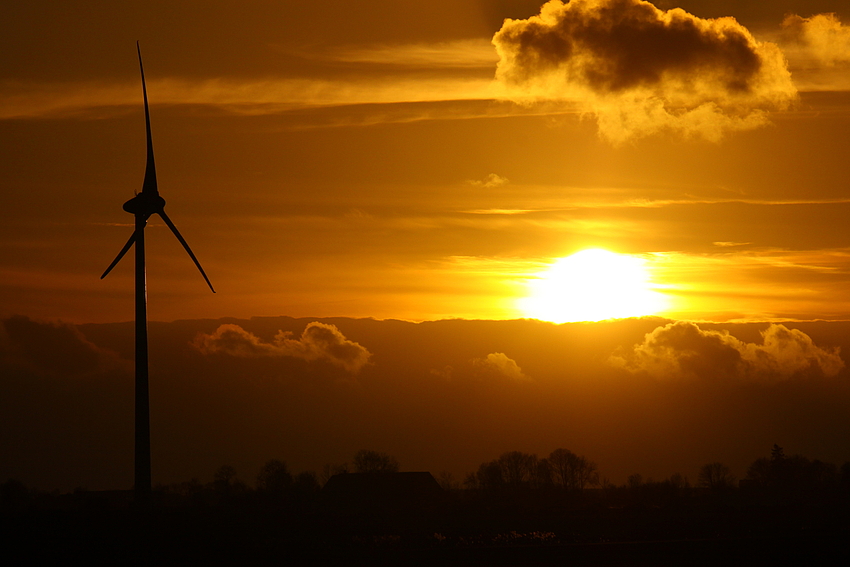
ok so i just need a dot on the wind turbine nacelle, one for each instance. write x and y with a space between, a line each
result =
145 204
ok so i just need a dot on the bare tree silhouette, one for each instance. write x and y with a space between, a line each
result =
274 477
572 471
373 461
715 476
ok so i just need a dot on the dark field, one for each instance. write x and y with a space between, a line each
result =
462 527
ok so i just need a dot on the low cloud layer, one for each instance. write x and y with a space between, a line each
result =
641 70
683 350
51 348
319 341
498 364
820 39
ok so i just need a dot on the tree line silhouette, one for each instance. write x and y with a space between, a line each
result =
515 500
777 477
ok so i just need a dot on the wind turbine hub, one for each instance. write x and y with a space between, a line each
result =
145 204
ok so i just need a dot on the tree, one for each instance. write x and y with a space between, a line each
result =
306 483
374 462
518 468
274 477
715 476
792 473
635 481
225 481
761 472
587 473
513 468
330 470
447 481
543 474
678 482
489 475
777 455
571 471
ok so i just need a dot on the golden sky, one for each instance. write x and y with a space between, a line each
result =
426 160
342 169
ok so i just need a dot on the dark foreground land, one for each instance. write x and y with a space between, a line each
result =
455 528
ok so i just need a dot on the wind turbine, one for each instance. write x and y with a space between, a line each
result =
146 203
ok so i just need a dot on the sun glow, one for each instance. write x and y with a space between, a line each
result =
592 285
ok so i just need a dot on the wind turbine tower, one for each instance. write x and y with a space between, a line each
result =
146 203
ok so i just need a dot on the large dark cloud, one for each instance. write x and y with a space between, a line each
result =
684 350
640 70
319 341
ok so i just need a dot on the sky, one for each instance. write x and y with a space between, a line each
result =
425 160
400 161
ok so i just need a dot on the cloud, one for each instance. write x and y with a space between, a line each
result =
498 364
444 373
466 53
492 180
319 341
820 39
51 348
640 70
683 350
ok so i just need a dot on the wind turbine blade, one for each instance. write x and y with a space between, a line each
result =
185 245
120 254
149 184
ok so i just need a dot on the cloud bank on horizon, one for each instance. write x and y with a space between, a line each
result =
641 70
52 348
429 394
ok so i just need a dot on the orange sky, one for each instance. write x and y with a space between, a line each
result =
405 160
366 160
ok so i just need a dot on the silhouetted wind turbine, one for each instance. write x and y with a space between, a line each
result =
142 206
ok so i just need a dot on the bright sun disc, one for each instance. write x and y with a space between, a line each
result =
592 285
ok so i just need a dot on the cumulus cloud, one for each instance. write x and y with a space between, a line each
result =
445 372
640 70
820 39
498 364
51 348
683 350
319 341
492 180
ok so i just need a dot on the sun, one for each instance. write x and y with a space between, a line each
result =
592 285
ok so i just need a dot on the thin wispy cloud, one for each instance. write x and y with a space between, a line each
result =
240 96
503 211
755 283
465 54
